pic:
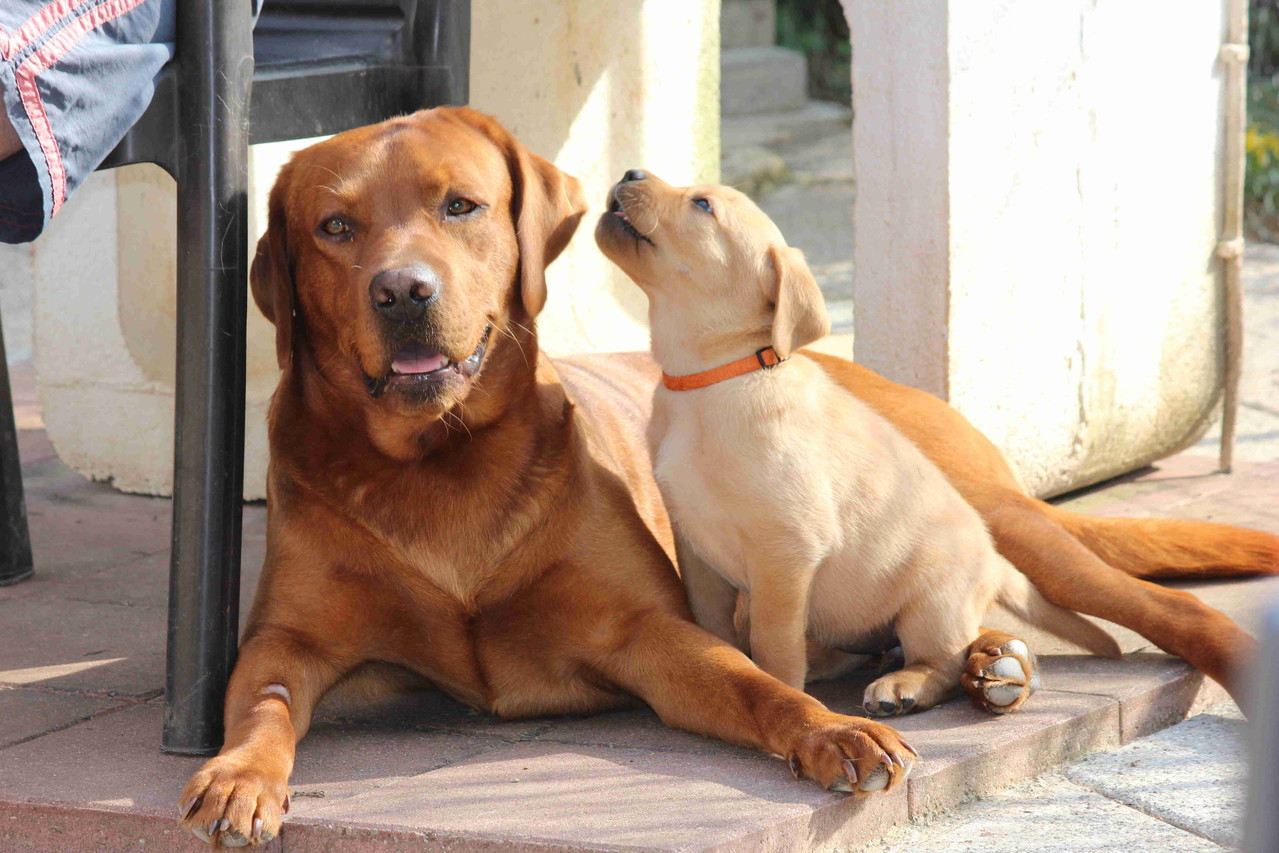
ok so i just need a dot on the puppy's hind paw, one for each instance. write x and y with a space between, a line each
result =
1001 673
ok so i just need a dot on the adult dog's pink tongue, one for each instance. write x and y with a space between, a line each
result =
416 358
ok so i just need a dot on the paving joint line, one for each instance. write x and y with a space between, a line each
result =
63 727
1140 810
95 601
136 698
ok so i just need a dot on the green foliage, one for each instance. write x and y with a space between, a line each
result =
1263 38
1261 182
1261 179
818 29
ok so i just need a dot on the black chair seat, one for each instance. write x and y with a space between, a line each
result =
292 35
324 66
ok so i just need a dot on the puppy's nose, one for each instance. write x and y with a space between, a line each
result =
403 294
634 175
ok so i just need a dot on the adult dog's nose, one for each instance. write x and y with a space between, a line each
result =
634 175
402 295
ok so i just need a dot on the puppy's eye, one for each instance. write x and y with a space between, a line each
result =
704 204
461 206
335 226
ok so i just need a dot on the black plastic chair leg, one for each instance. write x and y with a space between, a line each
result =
443 39
215 42
15 539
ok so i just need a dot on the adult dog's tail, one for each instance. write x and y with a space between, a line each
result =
1170 548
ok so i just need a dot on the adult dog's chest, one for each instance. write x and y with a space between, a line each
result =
452 561
452 581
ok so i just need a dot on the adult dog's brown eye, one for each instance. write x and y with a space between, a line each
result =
335 227
461 206
704 204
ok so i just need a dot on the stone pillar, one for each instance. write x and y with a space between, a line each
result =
1036 218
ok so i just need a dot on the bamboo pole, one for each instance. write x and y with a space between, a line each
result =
1234 57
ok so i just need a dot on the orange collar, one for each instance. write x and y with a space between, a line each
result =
764 359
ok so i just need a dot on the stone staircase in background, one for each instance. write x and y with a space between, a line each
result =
764 104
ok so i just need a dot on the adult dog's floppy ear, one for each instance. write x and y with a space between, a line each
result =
800 317
271 276
547 206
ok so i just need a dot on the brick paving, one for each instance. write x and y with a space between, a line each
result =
82 672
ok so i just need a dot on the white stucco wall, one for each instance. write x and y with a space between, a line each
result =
1038 206
597 86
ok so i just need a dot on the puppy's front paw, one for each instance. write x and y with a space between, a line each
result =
910 689
1001 673
851 754
231 802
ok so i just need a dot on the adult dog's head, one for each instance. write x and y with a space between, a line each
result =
401 258
718 273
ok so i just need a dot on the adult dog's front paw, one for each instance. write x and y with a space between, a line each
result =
851 754
231 802
1001 673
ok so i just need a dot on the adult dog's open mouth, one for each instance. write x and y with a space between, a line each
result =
616 209
417 364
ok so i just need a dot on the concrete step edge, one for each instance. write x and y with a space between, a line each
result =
1157 702
813 118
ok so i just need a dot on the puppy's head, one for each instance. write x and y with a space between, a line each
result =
398 255
710 260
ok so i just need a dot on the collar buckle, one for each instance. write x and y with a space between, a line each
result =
764 362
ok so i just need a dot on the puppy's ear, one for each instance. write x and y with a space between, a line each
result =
271 276
800 317
546 204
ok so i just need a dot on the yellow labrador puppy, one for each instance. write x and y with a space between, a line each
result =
782 484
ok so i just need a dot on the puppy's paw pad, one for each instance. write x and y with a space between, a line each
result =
887 707
1000 678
